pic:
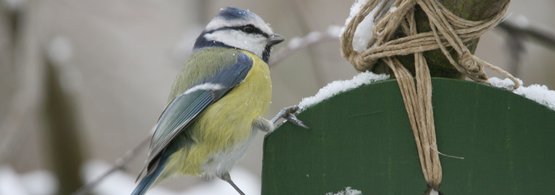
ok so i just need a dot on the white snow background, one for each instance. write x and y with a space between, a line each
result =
44 183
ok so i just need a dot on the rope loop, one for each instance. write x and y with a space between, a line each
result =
474 69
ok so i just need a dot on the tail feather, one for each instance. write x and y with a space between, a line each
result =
149 179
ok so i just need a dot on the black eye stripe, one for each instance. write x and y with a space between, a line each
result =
241 28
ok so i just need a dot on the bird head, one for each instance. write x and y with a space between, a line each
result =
241 29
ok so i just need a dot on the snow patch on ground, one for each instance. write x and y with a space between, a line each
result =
123 183
43 182
32 183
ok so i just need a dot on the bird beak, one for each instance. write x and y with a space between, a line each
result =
275 39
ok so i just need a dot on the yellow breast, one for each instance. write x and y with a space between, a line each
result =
227 122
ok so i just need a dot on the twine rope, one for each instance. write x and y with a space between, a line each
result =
448 30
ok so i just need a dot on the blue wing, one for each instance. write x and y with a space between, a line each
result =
186 107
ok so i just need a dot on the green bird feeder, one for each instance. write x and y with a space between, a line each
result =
362 139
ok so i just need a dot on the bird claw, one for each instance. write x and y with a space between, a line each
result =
292 118
289 114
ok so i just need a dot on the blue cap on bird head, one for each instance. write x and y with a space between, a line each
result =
234 13
238 28
232 16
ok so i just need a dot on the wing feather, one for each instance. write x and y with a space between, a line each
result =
182 111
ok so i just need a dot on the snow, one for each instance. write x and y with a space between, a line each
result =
521 21
313 36
32 183
332 31
43 182
295 42
123 183
337 87
363 32
335 31
392 9
39 182
535 92
60 50
14 5
117 183
502 83
348 191
10 182
355 8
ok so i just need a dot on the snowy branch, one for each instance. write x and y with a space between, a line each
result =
522 26
518 31
298 43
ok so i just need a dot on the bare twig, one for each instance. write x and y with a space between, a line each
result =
515 48
120 164
299 9
517 31
541 36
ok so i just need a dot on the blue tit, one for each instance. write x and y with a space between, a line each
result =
216 103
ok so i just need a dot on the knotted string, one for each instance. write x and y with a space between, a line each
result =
447 30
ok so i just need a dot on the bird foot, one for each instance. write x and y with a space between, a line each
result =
289 114
227 178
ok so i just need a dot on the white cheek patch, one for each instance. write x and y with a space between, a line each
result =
250 42
221 22
204 87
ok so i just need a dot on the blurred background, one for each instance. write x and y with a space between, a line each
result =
105 68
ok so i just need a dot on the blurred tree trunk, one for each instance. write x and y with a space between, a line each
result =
14 104
9 27
62 130
467 9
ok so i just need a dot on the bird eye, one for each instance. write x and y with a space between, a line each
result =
248 28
